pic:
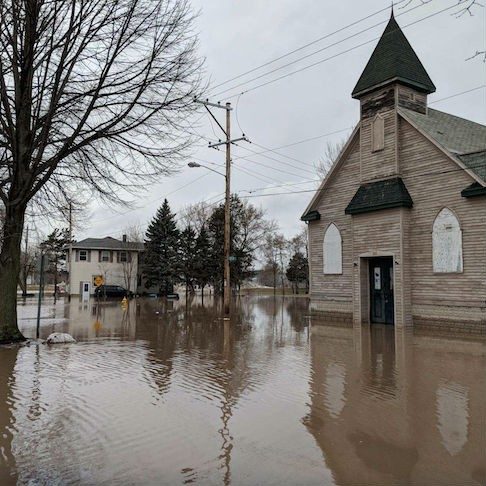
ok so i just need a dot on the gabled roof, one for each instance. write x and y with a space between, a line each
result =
107 243
393 60
390 193
463 139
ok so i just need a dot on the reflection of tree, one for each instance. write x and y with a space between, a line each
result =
7 384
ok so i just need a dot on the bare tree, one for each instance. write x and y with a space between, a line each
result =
132 239
94 95
331 153
196 215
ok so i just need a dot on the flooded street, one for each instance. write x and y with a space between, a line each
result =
164 394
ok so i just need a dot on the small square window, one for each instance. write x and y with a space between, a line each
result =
83 255
105 255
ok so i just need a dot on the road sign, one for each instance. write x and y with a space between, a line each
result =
98 280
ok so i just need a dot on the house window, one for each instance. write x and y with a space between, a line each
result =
378 134
123 257
83 255
333 252
105 256
447 243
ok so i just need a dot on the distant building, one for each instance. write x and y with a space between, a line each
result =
397 229
115 262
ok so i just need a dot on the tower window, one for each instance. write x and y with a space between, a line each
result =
377 134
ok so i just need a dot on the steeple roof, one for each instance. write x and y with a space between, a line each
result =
393 60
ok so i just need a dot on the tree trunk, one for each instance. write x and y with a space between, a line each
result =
9 273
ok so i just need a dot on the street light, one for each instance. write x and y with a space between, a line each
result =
227 217
193 165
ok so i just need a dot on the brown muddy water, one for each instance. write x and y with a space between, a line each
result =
164 394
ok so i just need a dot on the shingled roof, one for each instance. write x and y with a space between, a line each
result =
390 193
393 60
464 139
107 243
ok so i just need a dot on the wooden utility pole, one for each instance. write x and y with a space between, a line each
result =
227 217
227 204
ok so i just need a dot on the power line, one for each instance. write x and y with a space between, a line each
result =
326 59
303 47
314 53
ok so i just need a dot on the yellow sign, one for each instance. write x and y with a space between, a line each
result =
98 280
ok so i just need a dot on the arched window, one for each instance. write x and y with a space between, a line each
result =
446 243
333 251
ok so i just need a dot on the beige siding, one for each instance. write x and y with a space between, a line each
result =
335 289
381 164
435 182
376 234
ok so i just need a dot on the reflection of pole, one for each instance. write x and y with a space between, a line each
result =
39 301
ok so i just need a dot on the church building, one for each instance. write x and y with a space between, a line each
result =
397 229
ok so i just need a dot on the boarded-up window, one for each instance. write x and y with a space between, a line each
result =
447 243
378 134
333 252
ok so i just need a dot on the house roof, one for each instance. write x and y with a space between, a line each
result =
464 139
390 193
393 60
107 243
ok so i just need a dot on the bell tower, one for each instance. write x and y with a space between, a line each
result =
393 78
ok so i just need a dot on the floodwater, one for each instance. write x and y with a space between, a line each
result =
162 393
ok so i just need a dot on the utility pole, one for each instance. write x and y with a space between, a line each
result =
227 203
227 216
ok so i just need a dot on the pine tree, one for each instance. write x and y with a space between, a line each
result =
203 271
162 256
188 257
54 246
298 270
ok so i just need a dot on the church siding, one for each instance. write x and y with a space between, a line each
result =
434 182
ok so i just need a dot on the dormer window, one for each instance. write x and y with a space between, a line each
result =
377 134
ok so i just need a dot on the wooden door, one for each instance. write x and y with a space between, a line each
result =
382 308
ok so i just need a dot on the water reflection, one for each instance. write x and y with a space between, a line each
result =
391 407
167 393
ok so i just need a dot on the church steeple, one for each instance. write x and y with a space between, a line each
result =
393 61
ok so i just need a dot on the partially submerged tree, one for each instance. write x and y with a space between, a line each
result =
202 267
132 239
94 95
188 259
298 271
162 251
54 247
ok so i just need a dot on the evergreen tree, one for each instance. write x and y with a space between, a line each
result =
241 247
298 270
202 268
54 246
188 258
162 255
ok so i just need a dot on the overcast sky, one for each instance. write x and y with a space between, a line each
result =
237 36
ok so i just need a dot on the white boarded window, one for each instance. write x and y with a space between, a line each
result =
378 134
333 251
446 243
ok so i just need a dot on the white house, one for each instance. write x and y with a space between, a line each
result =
107 260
